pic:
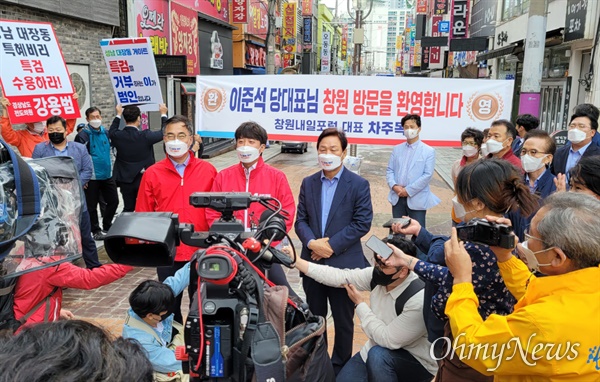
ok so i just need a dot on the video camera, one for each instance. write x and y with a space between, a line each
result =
227 275
481 231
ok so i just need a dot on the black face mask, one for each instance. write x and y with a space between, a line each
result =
56 138
381 278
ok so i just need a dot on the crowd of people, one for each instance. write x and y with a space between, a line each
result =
429 301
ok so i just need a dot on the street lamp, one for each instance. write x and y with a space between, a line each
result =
358 19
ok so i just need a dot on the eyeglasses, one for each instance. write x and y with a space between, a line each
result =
531 152
579 126
180 136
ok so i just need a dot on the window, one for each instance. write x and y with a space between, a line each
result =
514 8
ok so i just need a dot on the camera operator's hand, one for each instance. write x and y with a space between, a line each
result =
320 249
502 254
66 314
301 264
398 259
458 259
560 182
412 229
354 294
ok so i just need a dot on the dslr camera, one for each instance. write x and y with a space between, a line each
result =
481 231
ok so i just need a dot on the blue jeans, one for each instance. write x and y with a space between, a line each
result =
401 209
384 365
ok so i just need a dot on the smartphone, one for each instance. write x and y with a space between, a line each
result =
404 222
379 247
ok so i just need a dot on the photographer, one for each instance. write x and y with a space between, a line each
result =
397 344
555 322
489 187
150 322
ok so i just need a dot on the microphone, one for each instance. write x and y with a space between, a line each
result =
276 225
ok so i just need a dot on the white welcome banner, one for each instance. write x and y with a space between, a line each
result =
368 109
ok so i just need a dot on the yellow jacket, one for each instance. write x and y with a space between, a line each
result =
552 335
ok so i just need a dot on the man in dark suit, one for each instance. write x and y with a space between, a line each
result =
523 124
135 151
334 213
582 129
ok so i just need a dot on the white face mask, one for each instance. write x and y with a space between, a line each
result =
329 161
576 135
493 146
469 151
459 209
484 150
176 148
411 133
39 127
247 154
95 123
532 164
530 257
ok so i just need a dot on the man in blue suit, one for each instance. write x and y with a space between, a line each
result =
334 213
409 172
59 146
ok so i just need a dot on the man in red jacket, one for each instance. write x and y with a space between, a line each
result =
167 185
253 175
48 283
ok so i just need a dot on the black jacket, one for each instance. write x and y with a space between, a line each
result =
559 163
135 152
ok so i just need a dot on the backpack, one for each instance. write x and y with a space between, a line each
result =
413 288
8 323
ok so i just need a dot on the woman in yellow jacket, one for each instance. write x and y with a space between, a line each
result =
554 332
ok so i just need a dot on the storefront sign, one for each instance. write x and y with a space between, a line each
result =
307 30
425 58
289 59
152 20
575 19
459 19
440 7
367 108
216 49
132 70
443 26
326 53
421 6
289 27
435 51
255 55
307 6
345 42
259 20
483 18
219 9
184 36
33 74
239 11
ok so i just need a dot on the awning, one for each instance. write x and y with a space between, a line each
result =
434 41
188 88
469 44
504 51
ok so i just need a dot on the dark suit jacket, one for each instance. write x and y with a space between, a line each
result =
559 163
135 150
517 145
349 218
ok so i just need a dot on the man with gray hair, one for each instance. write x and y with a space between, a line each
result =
553 332
167 185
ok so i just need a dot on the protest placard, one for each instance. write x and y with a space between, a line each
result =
368 109
33 73
132 70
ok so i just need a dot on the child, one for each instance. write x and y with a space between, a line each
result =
150 322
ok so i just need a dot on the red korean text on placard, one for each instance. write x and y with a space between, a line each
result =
335 101
372 102
32 108
429 104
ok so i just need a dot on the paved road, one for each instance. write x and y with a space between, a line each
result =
107 305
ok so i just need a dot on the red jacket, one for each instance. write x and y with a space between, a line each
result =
34 287
164 190
264 179
24 140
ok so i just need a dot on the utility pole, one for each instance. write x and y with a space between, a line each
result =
334 47
533 63
270 40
